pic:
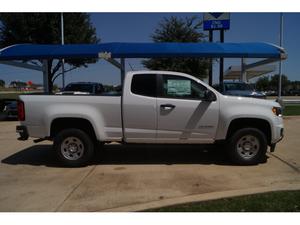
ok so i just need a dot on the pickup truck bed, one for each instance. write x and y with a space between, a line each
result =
103 112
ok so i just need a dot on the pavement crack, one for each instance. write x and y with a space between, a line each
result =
286 162
74 189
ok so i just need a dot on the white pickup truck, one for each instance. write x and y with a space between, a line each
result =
156 107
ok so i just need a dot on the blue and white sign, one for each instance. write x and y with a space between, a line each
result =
216 21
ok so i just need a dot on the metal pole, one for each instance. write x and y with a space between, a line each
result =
122 70
210 78
122 61
45 76
280 62
62 42
243 77
221 63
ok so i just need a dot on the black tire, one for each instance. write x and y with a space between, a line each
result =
99 145
72 156
252 142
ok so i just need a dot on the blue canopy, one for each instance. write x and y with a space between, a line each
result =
142 50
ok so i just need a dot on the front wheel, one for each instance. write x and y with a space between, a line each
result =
247 146
73 147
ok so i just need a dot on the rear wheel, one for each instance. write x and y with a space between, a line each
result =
247 146
73 147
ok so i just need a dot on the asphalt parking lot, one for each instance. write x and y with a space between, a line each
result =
129 178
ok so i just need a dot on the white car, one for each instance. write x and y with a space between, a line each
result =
155 107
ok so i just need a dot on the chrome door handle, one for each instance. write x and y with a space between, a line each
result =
167 106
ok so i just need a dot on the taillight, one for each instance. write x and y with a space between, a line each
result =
21 111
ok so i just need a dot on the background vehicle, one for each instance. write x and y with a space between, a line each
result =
83 88
294 92
240 89
156 107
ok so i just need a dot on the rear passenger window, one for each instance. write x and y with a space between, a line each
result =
144 84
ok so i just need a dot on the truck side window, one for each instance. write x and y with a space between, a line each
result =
144 84
181 87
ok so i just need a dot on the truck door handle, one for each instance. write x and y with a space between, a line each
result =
167 106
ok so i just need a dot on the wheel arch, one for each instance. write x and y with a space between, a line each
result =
261 124
59 124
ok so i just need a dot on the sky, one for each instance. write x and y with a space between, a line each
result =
137 27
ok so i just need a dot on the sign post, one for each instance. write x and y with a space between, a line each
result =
221 77
216 21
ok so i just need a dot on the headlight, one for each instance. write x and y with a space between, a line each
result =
277 111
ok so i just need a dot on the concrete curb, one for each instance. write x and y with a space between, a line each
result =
202 197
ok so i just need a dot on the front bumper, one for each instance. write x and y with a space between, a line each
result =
281 135
278 134
22 131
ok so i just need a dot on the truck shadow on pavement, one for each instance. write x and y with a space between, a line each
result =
43 155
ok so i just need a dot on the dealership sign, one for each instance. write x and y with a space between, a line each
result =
216 21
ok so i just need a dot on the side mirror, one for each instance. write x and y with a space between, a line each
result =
209 96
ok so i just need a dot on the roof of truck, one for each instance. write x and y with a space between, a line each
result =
142 50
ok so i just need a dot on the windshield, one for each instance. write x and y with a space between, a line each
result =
238 87
80 87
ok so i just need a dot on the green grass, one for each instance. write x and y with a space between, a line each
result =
281 201
291 110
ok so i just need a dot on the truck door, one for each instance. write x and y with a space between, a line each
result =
139 108
183 115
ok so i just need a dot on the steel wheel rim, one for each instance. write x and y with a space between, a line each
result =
72 148
248 146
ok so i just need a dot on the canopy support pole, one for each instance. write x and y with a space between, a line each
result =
122 60
243 76
245 67
114 62
210 72
260 63
122 70
22 65
107 56
45 76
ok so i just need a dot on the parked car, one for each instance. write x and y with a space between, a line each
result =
83 88
10 109
239 89
270 93
156 107
294 92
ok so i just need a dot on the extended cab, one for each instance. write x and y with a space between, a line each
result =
156 107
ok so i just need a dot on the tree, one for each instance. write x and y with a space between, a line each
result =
275 81
263 83
295 85
17 84
44 28
2 83
176 29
